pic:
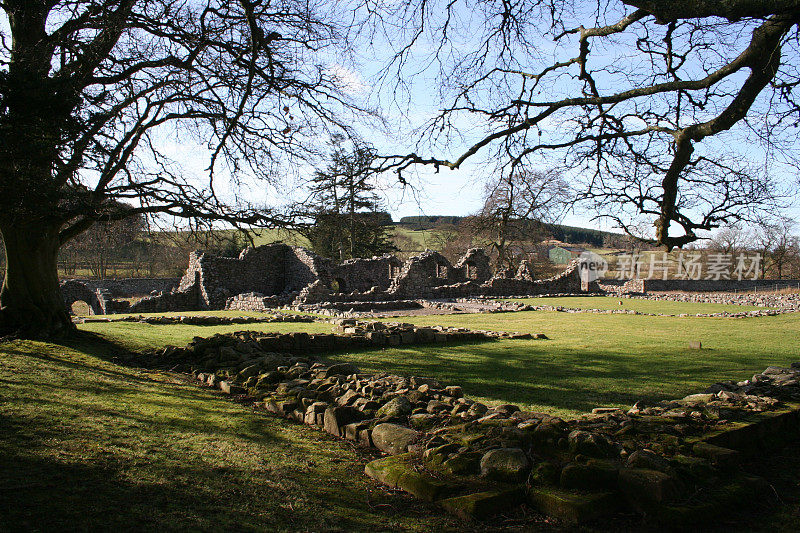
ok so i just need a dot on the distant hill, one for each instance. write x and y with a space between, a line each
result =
570 234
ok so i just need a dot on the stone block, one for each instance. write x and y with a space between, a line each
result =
344 369
353 431
392 438
719 456
463 464
229 388
378 338
482 505
505 464
336 418
424 335
645 489
571 506
396 407
280 407
597 476
407 337
398 472
313 412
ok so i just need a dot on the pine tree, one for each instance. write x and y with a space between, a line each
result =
346 211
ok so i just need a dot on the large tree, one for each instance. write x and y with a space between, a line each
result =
519 207
662 109
93 92
344 207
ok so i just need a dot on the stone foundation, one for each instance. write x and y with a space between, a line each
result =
675 461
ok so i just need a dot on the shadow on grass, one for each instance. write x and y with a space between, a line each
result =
49 494
576 380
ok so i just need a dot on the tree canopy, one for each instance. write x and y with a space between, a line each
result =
94 93
344 210
681 112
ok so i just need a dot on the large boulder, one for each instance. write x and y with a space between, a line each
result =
396 407
393 439
505 464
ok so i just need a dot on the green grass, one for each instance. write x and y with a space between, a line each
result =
204 313
590 360
87 444
643 306
136 336
594 360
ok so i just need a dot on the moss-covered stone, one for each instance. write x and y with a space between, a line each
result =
483 504
439 454
598 475
545 473
726 498
719 456
505 464
646 489
393 438
463 464
399 472
573 506
694 467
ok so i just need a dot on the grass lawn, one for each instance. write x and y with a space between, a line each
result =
594 360
87 444
137 336
589 360
643 306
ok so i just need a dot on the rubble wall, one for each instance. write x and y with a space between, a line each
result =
278 274
363 274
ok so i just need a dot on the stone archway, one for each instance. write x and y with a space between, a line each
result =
338 285
75 291
80 308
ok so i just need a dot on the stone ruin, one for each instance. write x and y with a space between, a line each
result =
278 275
99 300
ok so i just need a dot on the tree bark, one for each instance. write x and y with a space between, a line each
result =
31 304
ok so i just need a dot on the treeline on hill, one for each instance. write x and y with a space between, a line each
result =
568 234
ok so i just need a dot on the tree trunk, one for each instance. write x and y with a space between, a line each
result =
31 304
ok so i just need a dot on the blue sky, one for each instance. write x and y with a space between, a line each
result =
448 192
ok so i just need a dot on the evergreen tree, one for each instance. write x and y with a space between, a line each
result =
346 211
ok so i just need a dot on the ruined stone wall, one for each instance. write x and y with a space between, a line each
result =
475 265
74 291
268 270
363 274
100 301
253 301
187 299
130 287
423 272
304 267
278 274
711 285
568 281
